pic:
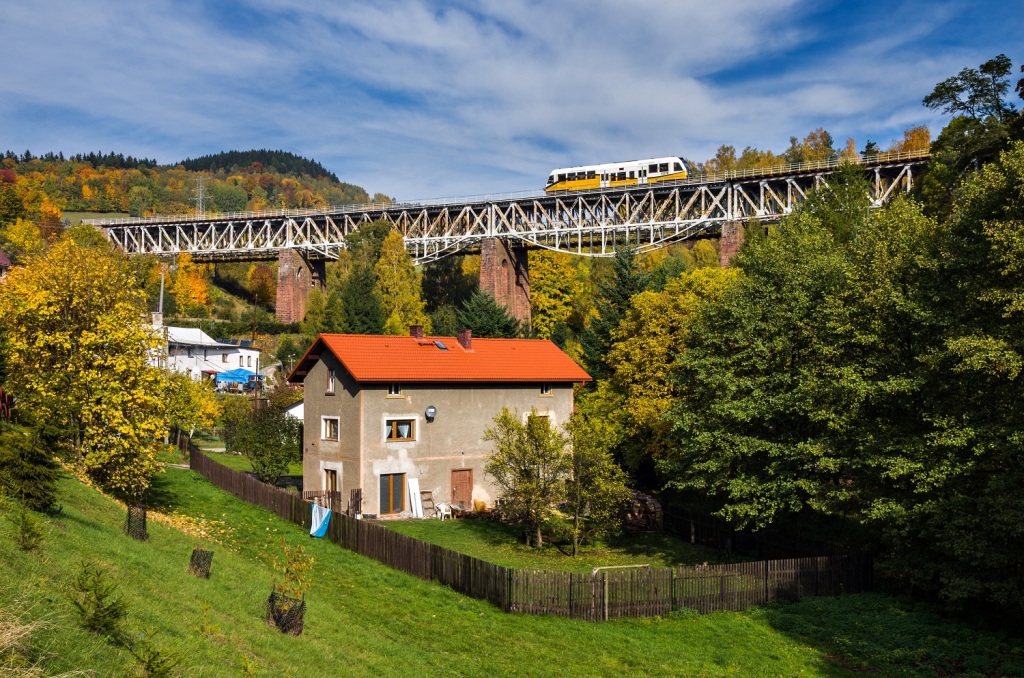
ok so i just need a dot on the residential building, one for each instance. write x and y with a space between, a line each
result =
194 352
383 411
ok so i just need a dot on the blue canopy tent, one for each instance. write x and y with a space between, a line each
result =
235 376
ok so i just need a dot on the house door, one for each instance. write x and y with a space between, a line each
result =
462 487
330 480
392 493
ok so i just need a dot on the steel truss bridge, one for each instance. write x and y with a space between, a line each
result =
587 223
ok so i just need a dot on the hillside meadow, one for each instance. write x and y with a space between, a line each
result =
364 619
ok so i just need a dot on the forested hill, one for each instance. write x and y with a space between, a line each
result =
40 188
282 162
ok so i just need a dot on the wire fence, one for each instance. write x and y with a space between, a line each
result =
597 596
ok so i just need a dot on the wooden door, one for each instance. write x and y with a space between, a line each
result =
330 480
462 487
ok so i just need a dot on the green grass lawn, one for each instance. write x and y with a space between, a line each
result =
502 545
77 217
364 619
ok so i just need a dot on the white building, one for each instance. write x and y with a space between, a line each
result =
194 352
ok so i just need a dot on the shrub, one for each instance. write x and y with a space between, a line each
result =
93 594
27 472
30 529
296 570
153 662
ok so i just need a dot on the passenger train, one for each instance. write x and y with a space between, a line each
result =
613 175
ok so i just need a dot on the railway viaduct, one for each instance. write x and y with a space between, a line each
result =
502 228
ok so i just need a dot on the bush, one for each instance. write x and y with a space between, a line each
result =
27 472
153 662
30 529
93 594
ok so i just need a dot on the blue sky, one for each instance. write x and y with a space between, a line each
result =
421 99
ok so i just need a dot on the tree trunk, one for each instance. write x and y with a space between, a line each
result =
575 534
540 537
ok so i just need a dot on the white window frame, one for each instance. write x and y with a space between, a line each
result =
545 390
325 428
331 381
394 390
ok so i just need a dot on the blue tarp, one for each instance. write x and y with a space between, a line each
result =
235 376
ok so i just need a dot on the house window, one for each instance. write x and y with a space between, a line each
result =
250 361
223 357
400 429
545 389
204 354
394 390
392 493
329 428
241 362
330 382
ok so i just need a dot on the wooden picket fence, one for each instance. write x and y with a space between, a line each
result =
598 596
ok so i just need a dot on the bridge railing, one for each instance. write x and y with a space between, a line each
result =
891 157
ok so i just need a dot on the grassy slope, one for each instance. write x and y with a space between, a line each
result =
498 543
364 619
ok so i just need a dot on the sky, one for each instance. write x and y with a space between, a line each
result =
424 99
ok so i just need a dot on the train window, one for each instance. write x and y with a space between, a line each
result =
631 174
551 179
561 177
622 176
663 167
591 174
652 168
678 168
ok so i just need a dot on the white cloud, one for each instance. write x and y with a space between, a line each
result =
418 98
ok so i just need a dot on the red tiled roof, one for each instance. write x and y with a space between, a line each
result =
376 358
4 261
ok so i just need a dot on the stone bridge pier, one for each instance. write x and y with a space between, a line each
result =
296 275
505 275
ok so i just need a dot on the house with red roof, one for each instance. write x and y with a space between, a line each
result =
398 415
5 264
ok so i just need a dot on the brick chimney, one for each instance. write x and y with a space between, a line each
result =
416 331
466 339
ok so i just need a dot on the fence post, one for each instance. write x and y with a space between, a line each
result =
606 595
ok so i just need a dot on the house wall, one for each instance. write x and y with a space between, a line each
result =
454 440
318 454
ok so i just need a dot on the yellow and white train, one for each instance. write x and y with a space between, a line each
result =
613 175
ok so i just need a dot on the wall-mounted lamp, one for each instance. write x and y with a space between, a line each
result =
431 412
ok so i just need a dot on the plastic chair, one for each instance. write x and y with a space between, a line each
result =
442 511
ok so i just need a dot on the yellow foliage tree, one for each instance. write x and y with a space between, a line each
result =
399 287
191 404
23 238
554 288
644 346
77 351
191 287
914 139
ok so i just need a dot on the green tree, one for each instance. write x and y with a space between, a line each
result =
614 293
446 283
271 440
596 486
361 307
530 465
976 92
27 472
482 314
78 349
398 287
315 320
229 197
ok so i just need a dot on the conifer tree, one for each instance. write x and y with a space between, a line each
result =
614 293
482 314
361 307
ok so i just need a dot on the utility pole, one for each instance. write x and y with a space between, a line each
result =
200 196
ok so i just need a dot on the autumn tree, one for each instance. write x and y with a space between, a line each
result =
917 138
554 287
596 484
271 440
614 292
530 465
398 287
77 350
191 404
262 284
191 286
